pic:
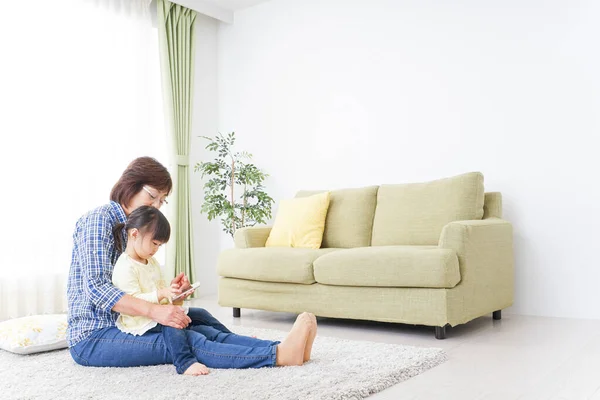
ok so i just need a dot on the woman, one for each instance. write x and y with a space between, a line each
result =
94 339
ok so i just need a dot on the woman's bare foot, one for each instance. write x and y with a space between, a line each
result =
311 337
291 350
197 369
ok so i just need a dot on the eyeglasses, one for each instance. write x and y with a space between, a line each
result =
154 196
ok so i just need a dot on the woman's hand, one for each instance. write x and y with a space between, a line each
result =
170 315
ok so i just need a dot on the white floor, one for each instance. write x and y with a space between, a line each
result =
518 357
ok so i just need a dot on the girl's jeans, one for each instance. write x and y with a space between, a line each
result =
205 340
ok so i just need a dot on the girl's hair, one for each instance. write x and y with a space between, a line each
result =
146 219
141 171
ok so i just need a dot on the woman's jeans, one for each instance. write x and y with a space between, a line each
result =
205 340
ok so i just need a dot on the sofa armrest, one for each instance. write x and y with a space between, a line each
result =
254 236
485 256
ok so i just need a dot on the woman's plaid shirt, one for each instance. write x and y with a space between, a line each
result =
90 292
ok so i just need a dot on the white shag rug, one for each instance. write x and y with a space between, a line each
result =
339 369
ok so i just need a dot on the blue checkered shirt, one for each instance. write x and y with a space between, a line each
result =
90 291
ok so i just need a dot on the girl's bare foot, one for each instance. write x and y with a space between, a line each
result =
291 350
311 337
197 369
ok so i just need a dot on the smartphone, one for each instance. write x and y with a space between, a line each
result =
179 296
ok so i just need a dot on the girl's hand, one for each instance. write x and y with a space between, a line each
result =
185 283
167 293
177 281
180 300
181 282
188 295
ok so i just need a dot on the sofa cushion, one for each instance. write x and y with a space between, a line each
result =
415 213
270 264
389 266
349 220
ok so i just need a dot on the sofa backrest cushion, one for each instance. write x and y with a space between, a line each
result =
349 220
492 206
415 213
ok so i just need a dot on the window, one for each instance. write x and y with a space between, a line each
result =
80 98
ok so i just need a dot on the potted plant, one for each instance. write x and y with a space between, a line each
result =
234 190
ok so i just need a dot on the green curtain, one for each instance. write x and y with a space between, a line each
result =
177 48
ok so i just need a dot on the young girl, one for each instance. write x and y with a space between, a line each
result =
137 273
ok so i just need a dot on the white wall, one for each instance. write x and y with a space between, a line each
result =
206 234
345 93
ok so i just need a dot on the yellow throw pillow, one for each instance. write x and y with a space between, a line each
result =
300 222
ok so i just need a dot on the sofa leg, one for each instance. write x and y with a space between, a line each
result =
497 314
440 332
236 312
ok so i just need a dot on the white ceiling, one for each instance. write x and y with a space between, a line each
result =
223 10
235 5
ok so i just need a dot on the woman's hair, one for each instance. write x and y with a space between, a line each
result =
141 171
147 220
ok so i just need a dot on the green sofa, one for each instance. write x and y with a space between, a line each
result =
434 253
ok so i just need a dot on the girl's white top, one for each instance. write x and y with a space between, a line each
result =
142 281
